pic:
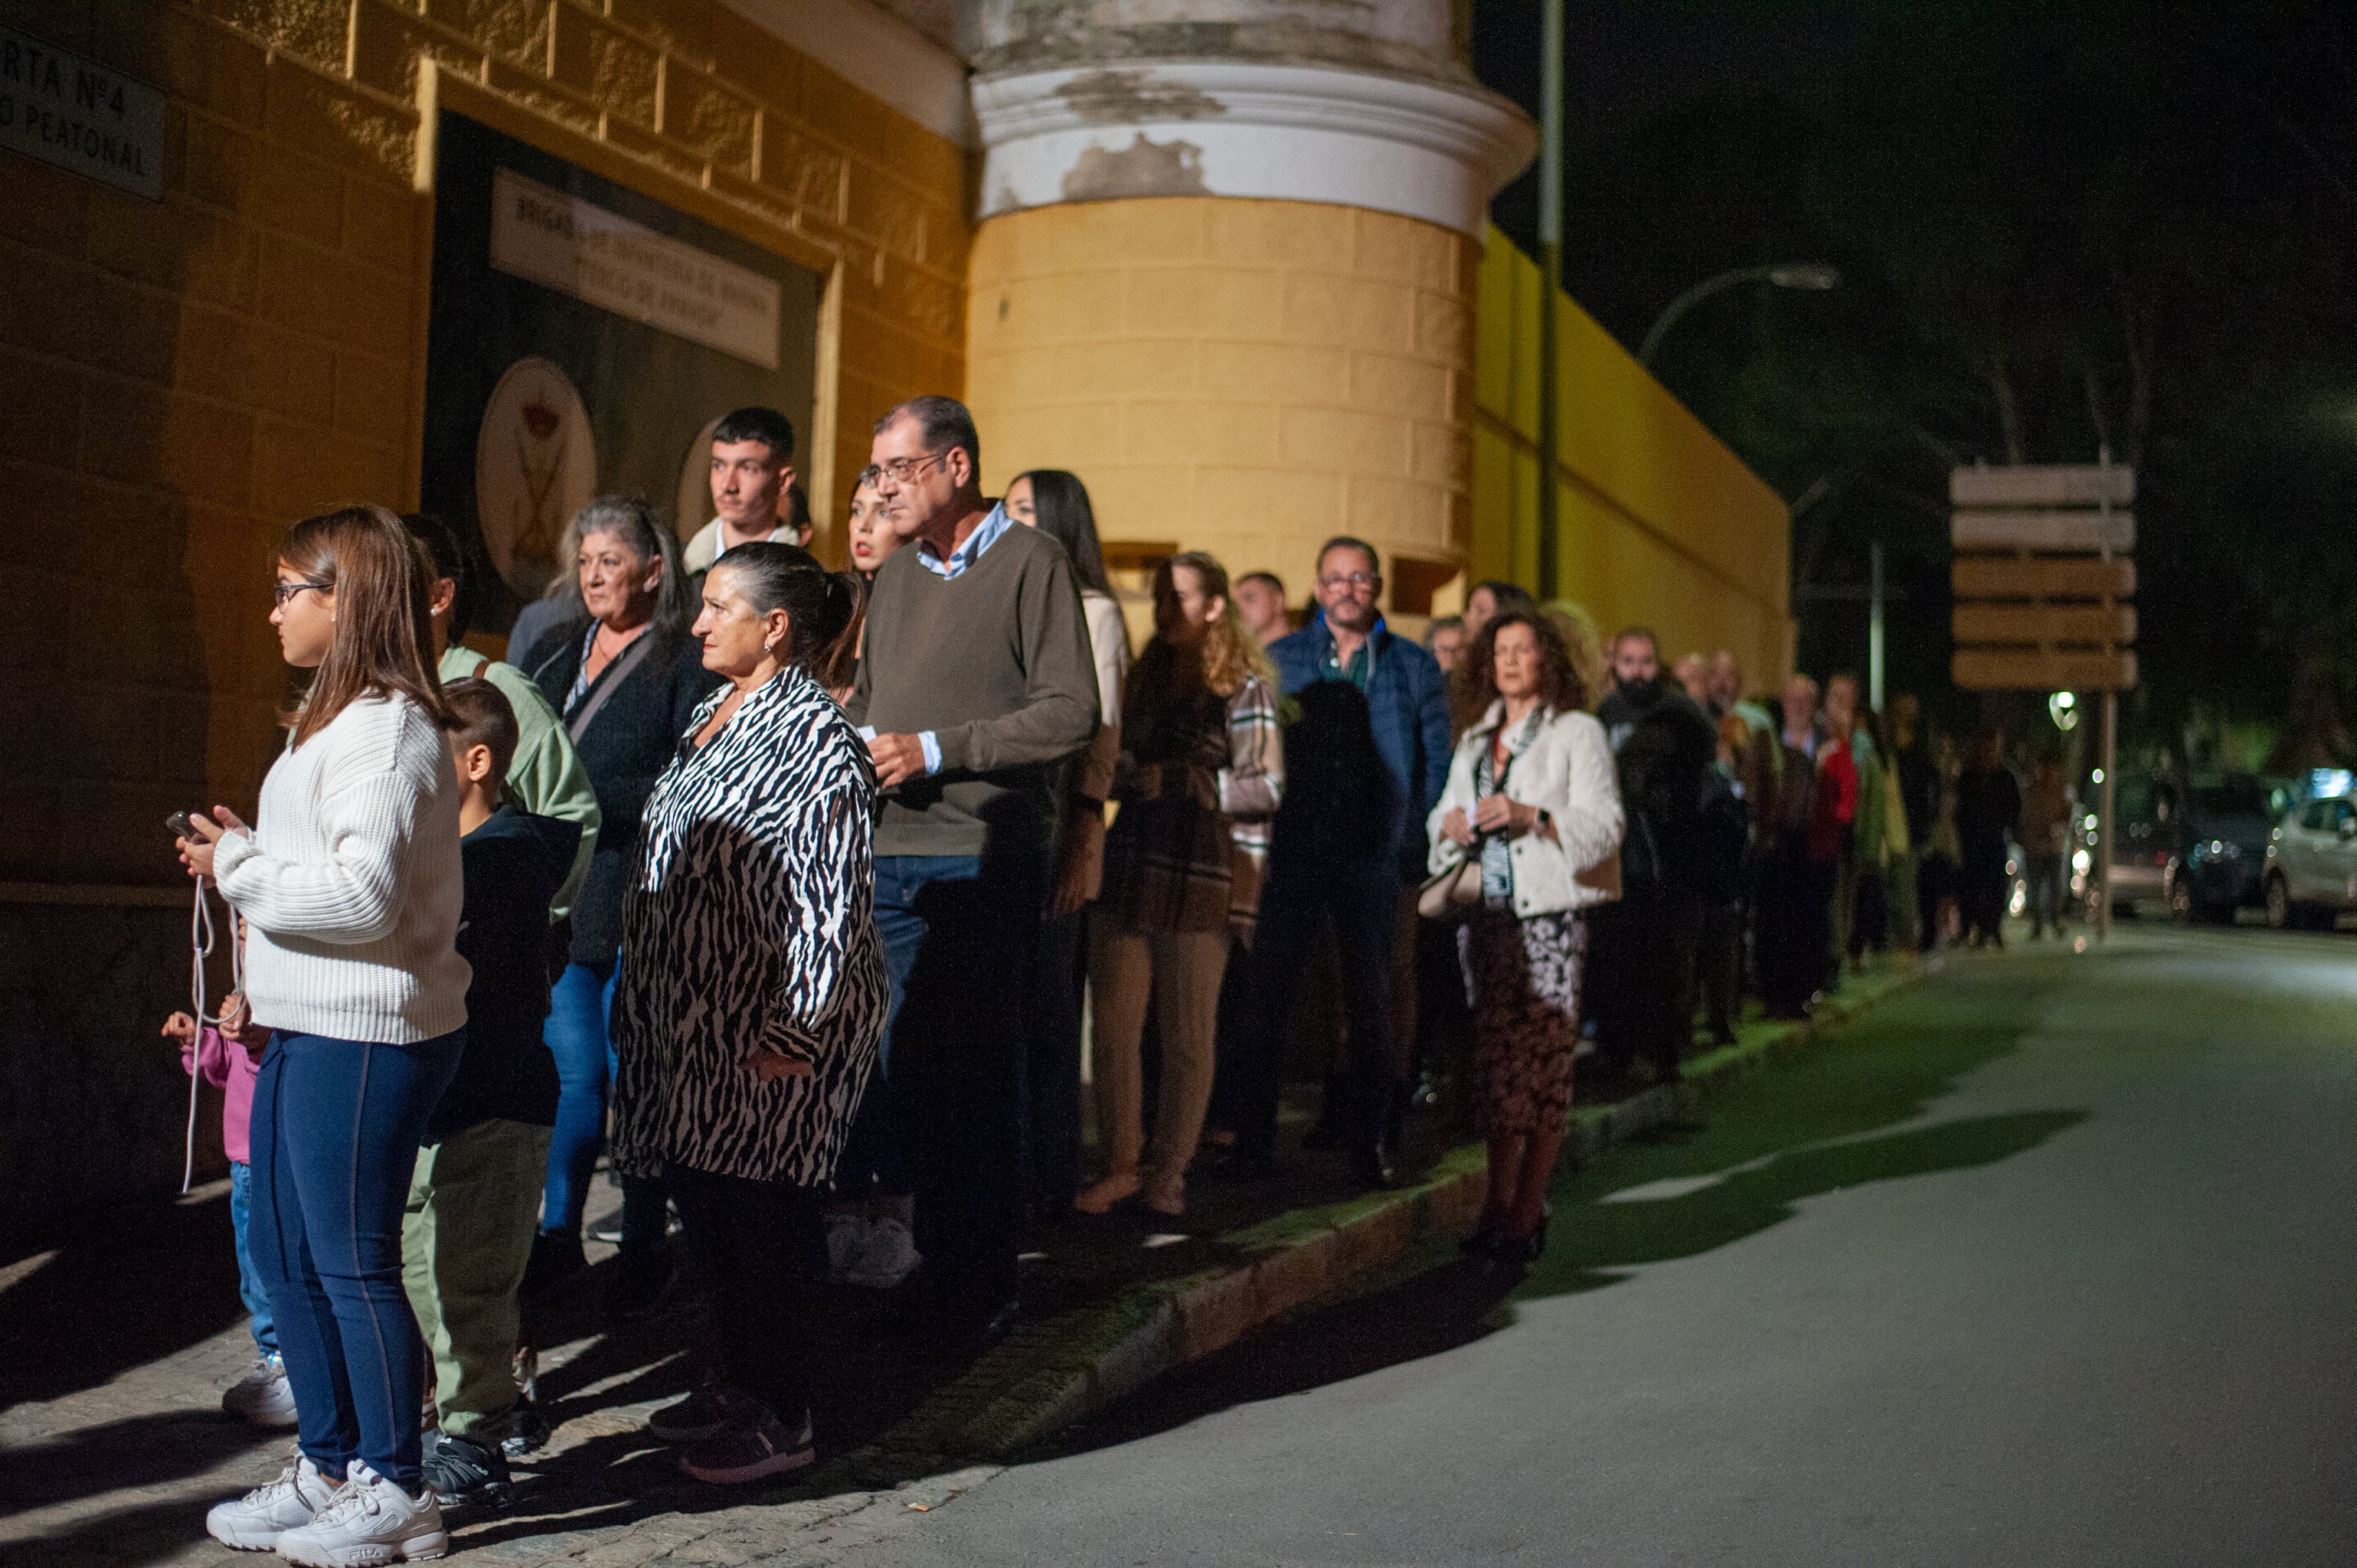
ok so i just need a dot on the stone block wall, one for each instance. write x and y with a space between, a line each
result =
189 377
1240 376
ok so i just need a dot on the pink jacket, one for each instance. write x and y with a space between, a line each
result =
227 1067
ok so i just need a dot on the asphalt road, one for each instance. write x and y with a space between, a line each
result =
2051 1260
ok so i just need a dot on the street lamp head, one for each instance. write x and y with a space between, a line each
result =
1805 275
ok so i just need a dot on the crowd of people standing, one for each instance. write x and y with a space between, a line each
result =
790 891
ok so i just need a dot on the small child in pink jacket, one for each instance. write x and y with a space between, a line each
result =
262 1396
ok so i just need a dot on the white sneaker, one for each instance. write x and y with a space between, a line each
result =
888 1257
847 1238
255 1521
263 1396
371 1521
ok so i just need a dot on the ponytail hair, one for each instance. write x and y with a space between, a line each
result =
383 587
822 606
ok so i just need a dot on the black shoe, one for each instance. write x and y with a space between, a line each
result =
1482 1242
556 1260
527 1430
1324 1138
466 1474
1238 1164
1518 1252
953 1324
642 1286
1372 1167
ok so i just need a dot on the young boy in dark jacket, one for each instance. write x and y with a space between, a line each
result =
475 1200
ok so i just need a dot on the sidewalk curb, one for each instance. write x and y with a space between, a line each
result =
1056 1373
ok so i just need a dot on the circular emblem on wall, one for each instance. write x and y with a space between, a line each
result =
536 466
694 504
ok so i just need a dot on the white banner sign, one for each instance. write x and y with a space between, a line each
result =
603 259
79 115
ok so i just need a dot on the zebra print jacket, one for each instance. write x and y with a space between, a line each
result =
746 927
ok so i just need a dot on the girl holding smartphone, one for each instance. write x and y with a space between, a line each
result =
348 882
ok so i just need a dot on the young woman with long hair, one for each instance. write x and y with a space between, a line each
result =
1531 800
1057 504
1200 753
349 886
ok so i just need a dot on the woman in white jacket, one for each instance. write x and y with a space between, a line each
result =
351 888
1531 799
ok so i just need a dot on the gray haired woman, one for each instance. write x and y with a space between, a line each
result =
626 676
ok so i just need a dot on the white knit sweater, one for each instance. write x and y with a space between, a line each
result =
350 885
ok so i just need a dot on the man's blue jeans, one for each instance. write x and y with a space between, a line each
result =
336 1130
960 935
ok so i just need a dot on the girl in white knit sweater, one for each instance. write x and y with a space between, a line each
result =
349 885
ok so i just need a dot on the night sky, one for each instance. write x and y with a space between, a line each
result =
2057 226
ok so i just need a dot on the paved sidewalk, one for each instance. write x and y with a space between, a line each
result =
111 1443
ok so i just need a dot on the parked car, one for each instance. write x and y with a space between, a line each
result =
2144 837
2197 847
2311 869
2219 863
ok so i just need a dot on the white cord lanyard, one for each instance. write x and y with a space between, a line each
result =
200 948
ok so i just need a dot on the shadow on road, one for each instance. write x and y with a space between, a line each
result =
1630 1229
1814 1124
149 1282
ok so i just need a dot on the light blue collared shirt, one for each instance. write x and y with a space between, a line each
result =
991 530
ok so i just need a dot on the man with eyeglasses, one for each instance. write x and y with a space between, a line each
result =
1364 764
977 689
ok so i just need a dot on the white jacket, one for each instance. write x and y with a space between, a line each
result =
1566 770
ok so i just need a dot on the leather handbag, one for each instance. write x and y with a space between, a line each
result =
1452 892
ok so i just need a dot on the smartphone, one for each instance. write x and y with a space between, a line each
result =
181 825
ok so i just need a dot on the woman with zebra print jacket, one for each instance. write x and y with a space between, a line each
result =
752 993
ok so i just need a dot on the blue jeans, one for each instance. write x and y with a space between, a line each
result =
250 1288
961 935
336 1130
576 1032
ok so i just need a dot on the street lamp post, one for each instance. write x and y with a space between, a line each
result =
1550 551
1814 275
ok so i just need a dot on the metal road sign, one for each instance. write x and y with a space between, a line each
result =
2049 543
2029 670
2039 624
2013 578
2043 485
2074 533
2042 579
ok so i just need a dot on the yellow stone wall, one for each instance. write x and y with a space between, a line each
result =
1661 524
1243 377
187 379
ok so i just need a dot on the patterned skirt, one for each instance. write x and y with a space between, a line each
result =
1522 981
